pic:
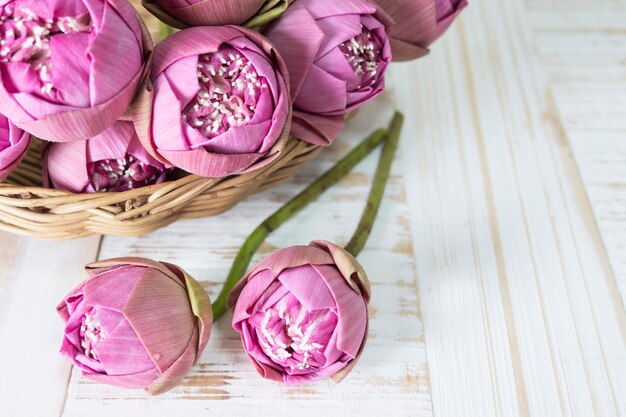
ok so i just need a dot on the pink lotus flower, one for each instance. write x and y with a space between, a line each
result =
136 323
302 313
337 54
184 13
418 23
219 104
69 68
13 146
112 161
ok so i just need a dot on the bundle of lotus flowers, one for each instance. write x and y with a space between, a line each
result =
235 101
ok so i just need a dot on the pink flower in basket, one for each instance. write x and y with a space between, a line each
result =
302 313
136 323
13 146
204 12
218 104
69 68
337 53
115 160
418 23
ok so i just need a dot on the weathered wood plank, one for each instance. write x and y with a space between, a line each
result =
34 277
520 304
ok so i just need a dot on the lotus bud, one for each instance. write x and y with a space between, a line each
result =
13 146
418 23
218 103
185 13
69 68
113 161
337 54
136 323
302 313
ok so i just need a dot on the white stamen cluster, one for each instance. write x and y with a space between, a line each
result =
123 174
302 342
364 55
25 37
229 91
91 333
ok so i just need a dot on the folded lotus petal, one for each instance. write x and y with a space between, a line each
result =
133 381
298 38
418 23
351 310
338 53
71 85
322 93
300 317
200 305
218 103
136 323
60 79
70 167
111 289
308 286
176 372
118 26
122 352
13 146
350 268
159 312
316 129
249 290
111 161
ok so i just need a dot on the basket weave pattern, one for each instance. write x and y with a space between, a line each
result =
28 209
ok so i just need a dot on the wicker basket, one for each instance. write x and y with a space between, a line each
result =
28 209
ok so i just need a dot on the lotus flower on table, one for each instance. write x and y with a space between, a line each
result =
217 104
185 13
302 313
418 23
13 146
69 68
113 161
136 323
337 54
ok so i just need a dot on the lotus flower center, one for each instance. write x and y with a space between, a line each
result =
230 89
91 333
122 174
364 54
295 338
25 37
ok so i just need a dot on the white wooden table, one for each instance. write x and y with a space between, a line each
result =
498 261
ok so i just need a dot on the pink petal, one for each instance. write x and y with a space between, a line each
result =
159 312
305 283
351 310
70 74
65 166
316 129
112 289
112 143
122 353
298 39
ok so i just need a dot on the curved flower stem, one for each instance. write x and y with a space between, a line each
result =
254 241
357 243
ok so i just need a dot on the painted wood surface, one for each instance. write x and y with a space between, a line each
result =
497 261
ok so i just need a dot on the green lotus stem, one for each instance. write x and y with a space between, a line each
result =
272 10
311 193
165 30
357 243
